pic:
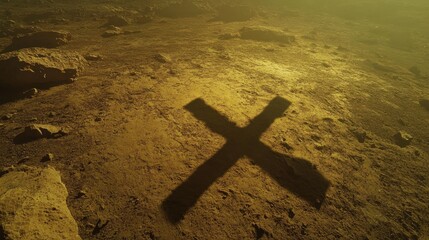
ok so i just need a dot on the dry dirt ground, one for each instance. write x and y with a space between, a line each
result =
155 151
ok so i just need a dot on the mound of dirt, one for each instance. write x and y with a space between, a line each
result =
239 13
46 39
264 34
33 205
27 68
187 8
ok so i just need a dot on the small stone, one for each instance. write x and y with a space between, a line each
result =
417 153
90 225
111 27
403 138
10 23
318 203
286 145
319 146
31 93
52 114
81 193
416 71
101 223
162 58
260 232
93 57
402 122
24 160
291 213
48 157
424 103
228 36
326 65
304 229
59 21
114 31
7 116
360 135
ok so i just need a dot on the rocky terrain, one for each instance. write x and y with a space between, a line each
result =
214 119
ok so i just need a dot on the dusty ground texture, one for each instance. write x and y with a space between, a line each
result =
150 116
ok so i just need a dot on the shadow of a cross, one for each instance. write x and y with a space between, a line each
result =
297 175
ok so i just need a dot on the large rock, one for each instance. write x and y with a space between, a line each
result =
38 131
265 34
33 205
32 67
45 39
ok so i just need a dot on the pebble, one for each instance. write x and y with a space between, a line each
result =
291 213
31 93
7 116
162 58
48 157
113 31
81 193
304 230
360 135
93 57
24 160
403 138
286 145
416 71
228 36
319 146
424 103
326 65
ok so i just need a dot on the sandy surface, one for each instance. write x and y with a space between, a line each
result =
168 150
